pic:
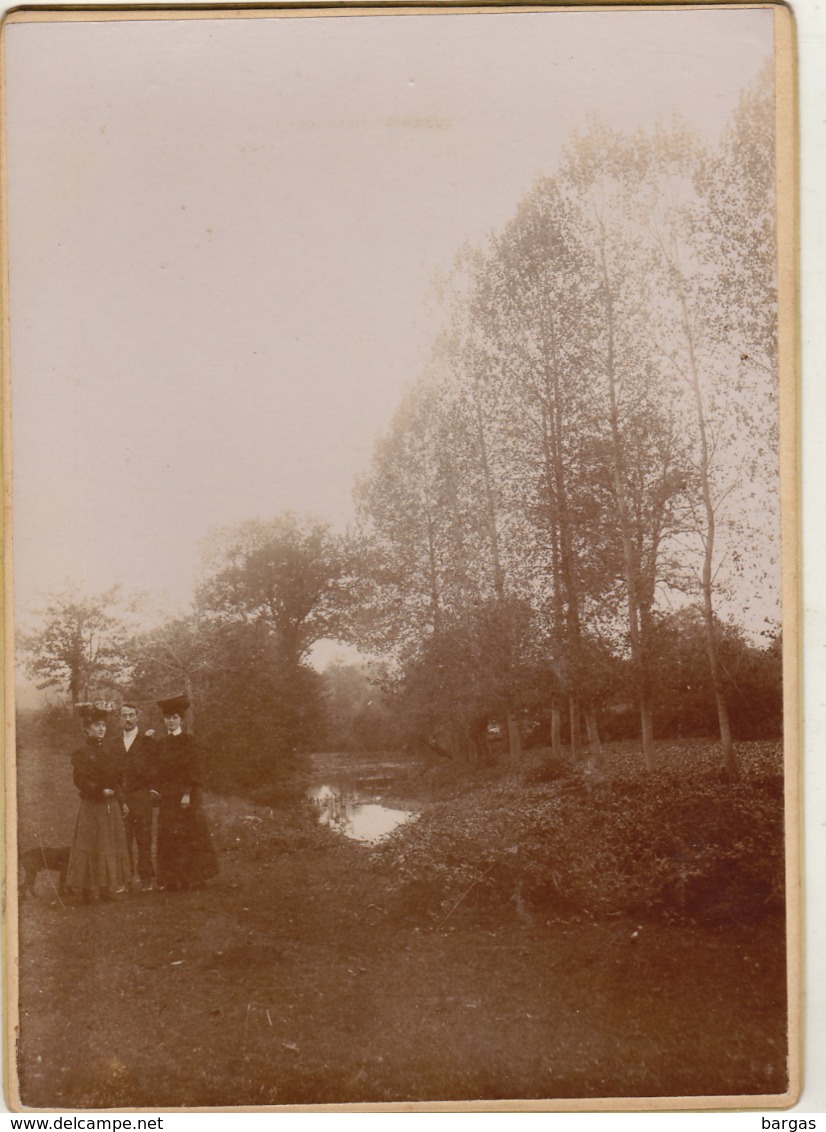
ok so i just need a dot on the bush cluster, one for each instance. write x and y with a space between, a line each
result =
678 843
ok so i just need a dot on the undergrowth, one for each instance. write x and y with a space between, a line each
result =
681 842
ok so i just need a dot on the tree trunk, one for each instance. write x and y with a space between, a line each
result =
566 587
729 757
730 762
647 726
556 730
478 732
630 569
576 738
514 738
191 709
594 744
514 743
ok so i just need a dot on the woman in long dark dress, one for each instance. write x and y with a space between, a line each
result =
185 853
99 857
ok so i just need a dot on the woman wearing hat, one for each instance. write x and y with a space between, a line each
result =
99 859
185 853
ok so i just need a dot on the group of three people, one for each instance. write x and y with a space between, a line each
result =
121 782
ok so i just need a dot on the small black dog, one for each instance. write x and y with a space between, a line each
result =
34 861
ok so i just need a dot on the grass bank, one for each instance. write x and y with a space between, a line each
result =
317 971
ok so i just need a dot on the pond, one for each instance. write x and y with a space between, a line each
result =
349 793
349 812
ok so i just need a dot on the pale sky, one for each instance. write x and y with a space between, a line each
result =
223 232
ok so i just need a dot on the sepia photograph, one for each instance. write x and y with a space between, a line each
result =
401 557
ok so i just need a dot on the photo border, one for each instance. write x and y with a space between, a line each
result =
788 230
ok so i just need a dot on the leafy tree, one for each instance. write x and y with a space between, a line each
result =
539 329
736 244
645 469
272 589
738 235
440 603
358 716
289 575
80 646
261 714
183 654
716 326
253 711
750 675
412 538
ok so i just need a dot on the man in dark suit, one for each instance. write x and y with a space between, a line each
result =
138 753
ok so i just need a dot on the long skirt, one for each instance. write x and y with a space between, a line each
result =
185 853
99 859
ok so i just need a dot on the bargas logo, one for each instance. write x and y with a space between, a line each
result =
788 1125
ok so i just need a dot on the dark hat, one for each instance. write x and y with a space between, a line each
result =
175 705
91 714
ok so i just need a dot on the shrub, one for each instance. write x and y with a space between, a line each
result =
677 844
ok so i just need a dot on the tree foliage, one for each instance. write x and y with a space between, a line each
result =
556 515
80 645
357 714
271 590
288 575
572 462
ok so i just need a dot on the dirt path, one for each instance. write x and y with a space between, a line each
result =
296 979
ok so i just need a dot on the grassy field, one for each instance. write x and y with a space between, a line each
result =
299 976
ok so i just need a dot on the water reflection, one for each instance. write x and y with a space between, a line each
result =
347 813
